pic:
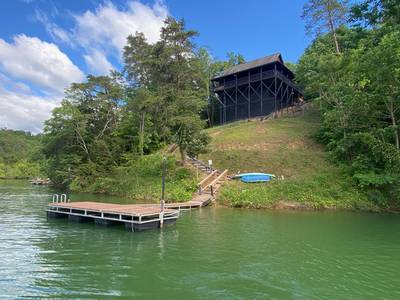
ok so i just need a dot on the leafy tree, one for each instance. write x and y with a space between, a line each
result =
79 137
20 154
376 12
170 71
234 59
142 102
325 15
358 95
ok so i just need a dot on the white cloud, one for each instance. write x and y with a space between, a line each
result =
29 64
103 33
97 62
56 32
110 26
38 62
24 111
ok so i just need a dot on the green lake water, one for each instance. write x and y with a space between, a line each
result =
211 253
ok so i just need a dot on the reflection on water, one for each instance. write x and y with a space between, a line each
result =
210 253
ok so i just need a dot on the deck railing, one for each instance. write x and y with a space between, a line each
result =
245 80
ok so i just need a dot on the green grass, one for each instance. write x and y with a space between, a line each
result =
284 147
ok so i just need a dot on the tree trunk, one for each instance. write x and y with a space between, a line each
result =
141 133
394 123
183 156
332 28
83 143
336 42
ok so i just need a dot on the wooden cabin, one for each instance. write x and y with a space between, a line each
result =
256 88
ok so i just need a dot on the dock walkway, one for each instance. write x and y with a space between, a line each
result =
136 217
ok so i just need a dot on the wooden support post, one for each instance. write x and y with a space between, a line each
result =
248 95
224 106
236 96
220 114
261 87
275 84
284 97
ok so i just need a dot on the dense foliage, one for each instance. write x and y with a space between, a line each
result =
20 154
358 92
109 128
110 122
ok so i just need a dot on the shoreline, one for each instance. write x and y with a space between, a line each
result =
280 205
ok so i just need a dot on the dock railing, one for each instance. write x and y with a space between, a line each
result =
60 198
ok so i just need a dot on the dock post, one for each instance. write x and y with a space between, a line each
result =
163 192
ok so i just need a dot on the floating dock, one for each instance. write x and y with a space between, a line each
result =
135 217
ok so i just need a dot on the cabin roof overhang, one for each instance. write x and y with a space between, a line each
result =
254 64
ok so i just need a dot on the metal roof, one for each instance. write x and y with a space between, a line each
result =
274 58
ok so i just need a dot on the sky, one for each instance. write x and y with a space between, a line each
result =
47 45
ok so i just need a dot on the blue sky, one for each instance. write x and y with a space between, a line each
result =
46 45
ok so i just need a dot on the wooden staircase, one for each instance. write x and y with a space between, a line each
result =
214 178
202 166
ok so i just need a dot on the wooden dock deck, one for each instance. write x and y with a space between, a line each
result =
135 217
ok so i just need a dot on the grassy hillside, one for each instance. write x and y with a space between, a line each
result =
284 147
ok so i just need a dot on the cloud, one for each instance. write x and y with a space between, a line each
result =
97 62
24 111
31 67
109 26
102 33
38 62
56 32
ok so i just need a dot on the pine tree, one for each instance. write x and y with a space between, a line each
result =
325 15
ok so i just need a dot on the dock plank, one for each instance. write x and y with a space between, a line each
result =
131 209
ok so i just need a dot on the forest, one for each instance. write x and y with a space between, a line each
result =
20 154
116 125
353 74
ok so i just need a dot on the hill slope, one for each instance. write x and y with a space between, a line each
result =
285 148
19 154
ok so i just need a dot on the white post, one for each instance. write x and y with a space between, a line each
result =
55 198
162 213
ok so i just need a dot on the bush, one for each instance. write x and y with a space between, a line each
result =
140 178
318 192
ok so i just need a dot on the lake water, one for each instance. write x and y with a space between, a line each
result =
211 253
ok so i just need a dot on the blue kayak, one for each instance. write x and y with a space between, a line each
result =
254 177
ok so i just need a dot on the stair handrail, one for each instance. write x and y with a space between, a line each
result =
205 180
224 173
200 163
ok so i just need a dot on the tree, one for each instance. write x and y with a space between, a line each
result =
381 65
170 71
142 102
325 15
376 12
80 133
358 94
